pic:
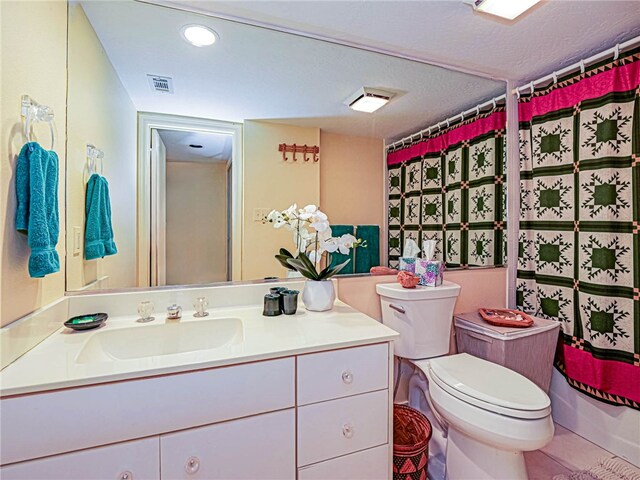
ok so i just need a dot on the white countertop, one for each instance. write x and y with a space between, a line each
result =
52 364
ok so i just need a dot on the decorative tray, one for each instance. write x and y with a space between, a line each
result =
505 317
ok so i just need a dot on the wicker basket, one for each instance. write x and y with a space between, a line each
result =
411 435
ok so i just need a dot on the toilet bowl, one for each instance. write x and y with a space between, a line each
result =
484 415
493 415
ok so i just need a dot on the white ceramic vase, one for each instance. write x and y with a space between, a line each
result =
318 296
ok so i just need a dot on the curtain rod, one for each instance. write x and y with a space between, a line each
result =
448 121
582 64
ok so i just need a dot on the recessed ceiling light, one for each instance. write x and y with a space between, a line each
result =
368 99
193 145
199 35
508 9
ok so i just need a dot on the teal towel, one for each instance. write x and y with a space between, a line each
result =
337 258
98 233
37 207
369 256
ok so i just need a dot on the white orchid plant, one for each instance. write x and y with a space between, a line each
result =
314 241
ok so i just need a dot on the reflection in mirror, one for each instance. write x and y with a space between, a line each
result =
191 137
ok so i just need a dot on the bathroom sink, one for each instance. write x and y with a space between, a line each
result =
161 339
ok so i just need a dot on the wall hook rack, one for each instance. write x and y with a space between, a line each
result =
304 149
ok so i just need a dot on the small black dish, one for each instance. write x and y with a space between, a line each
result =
86 322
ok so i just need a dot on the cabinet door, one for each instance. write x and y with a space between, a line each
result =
259 447
137 460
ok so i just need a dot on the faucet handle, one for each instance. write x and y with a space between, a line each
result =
200 306
145 309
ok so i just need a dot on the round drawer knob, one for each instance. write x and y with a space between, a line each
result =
127 475
347 430
192 465
347 377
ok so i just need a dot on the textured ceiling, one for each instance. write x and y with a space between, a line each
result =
554 34
216 147
261 74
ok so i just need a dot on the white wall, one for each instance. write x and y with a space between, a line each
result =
614 428
100 113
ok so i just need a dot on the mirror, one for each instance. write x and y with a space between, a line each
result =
186 141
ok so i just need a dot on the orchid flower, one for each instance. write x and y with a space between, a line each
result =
313 238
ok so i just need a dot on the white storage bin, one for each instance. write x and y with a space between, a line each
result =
528 351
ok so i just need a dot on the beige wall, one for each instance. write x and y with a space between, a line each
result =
352 179
33 39
100 113
196 237
271 183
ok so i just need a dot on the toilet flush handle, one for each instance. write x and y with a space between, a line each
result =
397 308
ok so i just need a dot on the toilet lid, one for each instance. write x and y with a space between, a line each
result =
491 384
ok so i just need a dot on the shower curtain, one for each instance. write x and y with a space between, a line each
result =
579 240
450 187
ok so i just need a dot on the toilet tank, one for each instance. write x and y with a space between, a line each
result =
423 316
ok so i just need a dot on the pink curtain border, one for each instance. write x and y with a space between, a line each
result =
617 79
495 121
610 376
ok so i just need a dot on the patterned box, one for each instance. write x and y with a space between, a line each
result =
431 272
408 264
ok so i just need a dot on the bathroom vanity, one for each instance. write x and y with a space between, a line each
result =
234 395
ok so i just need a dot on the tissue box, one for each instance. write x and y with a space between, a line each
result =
431 272
408 264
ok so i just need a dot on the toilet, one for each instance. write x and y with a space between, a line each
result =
488 414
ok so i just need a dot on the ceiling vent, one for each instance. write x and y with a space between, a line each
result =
160 84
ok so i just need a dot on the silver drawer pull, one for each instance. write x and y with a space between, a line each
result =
347 430
192 465
347 377
126 475
397 308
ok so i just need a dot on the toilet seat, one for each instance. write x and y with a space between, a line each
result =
487 385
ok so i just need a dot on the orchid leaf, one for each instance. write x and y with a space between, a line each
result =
308 263
337 269
285 252
283 261
301 267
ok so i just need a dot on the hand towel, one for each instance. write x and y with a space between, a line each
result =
337 258
37 207
369 256
98 232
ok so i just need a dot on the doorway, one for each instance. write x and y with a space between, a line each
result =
189 210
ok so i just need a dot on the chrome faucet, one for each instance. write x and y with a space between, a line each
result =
174 312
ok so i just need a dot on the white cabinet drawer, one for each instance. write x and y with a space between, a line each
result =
339 427
341 373
140 460
372 464
260 447
50 423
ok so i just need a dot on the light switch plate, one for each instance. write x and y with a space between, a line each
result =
77 240
259 214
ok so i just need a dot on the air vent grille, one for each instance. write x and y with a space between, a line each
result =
160 84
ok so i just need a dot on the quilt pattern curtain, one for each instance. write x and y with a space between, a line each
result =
579 247
450 187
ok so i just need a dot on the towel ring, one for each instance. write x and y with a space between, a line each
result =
33 112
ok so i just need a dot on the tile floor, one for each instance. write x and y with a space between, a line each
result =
566 453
